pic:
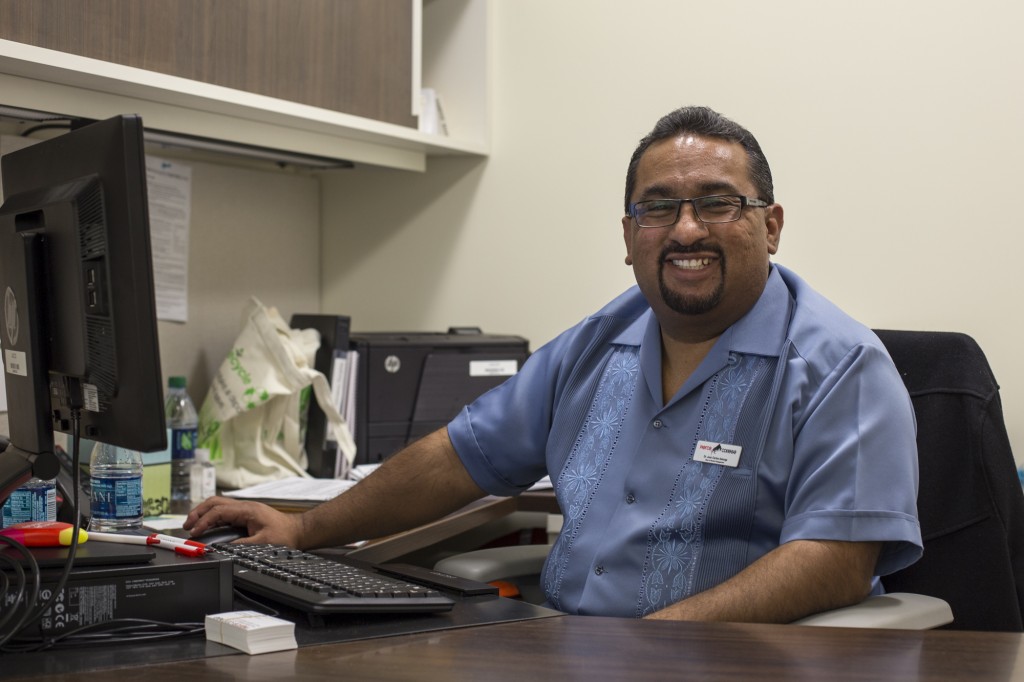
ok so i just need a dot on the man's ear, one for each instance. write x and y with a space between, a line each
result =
773 223
627 235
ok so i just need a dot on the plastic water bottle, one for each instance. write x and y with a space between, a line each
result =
183 424
116 478
36 500
204 477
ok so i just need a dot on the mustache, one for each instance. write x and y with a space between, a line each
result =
677 249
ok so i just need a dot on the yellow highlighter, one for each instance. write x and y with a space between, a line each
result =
43 533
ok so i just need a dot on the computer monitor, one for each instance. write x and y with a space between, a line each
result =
76 280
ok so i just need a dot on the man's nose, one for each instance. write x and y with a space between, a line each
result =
688 228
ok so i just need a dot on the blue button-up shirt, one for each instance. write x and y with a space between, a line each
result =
814 421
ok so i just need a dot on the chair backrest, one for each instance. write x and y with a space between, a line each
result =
970 502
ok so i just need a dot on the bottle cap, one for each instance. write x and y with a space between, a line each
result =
176 382
202 454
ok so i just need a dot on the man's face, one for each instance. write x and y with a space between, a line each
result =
692 272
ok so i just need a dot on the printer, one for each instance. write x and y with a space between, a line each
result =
409 384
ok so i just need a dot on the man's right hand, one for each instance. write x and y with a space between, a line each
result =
418 485
260 523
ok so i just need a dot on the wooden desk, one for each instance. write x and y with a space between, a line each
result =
581 648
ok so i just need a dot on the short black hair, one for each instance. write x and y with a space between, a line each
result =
708 123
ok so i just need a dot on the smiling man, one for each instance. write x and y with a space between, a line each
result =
724 443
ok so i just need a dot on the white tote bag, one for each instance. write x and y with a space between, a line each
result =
251 419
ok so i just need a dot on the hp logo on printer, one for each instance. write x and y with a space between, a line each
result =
11 316
392 364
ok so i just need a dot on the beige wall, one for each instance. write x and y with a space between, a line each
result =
253 233
881 119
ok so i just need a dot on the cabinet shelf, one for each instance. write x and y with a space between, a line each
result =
39 79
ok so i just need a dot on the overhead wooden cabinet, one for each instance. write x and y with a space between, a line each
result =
336 79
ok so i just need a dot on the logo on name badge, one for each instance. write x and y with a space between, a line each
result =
717 453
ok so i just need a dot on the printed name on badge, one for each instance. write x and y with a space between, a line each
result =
717 453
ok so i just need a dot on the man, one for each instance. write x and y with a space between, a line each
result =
724 443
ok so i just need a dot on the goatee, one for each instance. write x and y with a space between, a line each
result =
691 305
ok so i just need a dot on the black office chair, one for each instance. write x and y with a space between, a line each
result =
970 501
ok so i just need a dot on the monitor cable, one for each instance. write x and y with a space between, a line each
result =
32 609
29 590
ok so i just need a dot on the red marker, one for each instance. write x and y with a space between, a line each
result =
178 545
170 539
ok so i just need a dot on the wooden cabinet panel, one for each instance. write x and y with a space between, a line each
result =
352 56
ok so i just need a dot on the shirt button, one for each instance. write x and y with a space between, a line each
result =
657 423
630 498
599 570
733 359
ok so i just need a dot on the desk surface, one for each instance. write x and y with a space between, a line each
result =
582 648
571 648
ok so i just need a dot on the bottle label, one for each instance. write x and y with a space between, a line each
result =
183 443
31 503
117 498
203 479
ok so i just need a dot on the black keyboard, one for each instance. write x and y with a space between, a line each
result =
316 585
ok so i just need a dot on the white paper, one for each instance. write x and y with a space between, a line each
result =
299 489
251 631
432 113
542 484
361 471
344 370
165 522
170 200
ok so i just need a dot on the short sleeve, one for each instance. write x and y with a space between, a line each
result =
855 467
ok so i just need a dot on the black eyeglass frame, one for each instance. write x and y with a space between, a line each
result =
744 202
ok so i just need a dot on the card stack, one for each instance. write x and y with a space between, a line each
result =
251 631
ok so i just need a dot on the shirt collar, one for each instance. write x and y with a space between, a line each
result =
762 331
633 335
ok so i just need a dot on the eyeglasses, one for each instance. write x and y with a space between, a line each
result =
722 208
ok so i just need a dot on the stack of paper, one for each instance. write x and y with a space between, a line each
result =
251 631
344 378
361 471
294 489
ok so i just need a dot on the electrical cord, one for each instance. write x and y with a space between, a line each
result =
265 608
34 610
13 602
119 630
45 126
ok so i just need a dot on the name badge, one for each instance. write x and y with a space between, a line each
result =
717 453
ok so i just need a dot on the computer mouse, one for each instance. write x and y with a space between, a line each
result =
220 534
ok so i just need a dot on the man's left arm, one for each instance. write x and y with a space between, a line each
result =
794 580
855 460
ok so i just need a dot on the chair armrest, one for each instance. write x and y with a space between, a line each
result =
898 610
496 563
